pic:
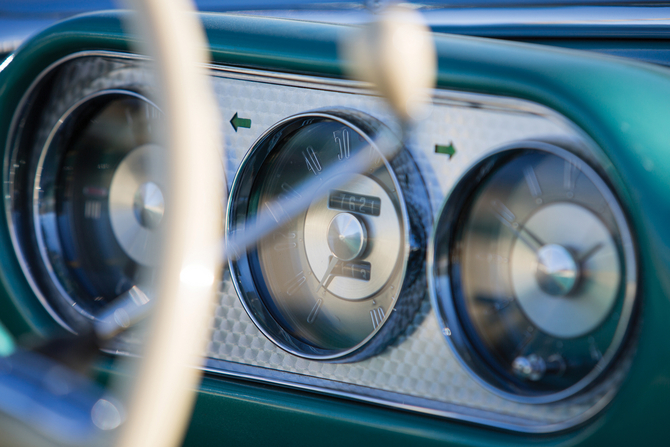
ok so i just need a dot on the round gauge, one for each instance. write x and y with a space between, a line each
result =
533 272
344 277
97 203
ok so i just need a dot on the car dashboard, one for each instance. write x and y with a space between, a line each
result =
426 325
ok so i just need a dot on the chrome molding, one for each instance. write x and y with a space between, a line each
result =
510 17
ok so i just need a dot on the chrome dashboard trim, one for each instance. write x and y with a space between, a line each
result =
481 16
395 400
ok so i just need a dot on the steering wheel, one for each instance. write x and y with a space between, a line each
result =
191 260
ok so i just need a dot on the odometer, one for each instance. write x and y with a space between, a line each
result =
326 284
354 203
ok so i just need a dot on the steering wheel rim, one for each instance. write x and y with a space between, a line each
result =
161 395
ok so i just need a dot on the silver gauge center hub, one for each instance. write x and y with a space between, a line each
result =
557 272
347 236
149 205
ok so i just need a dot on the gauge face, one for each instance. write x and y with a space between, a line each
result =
533 267
98 203
323 284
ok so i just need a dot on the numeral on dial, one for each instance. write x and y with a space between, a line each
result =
531 179
290 191
570 174
342 140
284 241
92 209
311 160
294 284
501 210
377 316
315 311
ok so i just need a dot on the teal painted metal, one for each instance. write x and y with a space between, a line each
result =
7 345
623 106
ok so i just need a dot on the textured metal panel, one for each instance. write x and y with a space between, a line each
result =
418 371
420 363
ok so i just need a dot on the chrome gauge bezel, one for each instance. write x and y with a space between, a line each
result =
415 236
34 128
47 167
441 283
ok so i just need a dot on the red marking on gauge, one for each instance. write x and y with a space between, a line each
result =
94 191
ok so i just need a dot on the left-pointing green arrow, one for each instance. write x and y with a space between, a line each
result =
240 122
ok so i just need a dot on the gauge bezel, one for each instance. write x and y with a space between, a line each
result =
412 290
441 284
31 249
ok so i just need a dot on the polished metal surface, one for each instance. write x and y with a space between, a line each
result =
44 279
383 240
577 306
518 20
347 236
419 372
149 205
126 311
557 272
535 368
136 203
531 367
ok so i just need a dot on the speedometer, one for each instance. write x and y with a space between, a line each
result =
344 277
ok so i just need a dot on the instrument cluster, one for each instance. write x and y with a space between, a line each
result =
484 271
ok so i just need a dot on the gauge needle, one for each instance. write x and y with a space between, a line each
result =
329 270
590 252
534 242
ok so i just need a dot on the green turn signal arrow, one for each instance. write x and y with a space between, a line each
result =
449 150
240 122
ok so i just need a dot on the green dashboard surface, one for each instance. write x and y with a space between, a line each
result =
621 105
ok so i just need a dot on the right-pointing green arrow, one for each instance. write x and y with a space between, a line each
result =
449 150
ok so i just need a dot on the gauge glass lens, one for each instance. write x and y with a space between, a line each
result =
333 272
98 220
538 264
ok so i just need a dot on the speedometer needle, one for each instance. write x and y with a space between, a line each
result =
329 270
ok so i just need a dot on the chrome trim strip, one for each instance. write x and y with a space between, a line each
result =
395 400
385 399
490 16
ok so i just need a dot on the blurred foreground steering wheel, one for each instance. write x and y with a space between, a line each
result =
162 393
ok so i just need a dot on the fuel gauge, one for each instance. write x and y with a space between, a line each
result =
534 272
